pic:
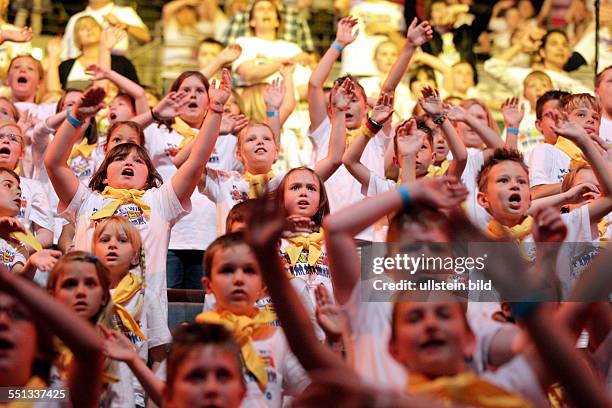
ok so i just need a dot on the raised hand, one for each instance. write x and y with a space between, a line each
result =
513 113
274 95
54 47
116 345
329 315
567 128
439 192
27 121
548 226
457 114
218 96
265 223
383 109
21 35
431 101
344 33
581 192
418 35
90 104
341 95
408 142
170 106
232 124
97 72
111 36
45 260
230 54
296 225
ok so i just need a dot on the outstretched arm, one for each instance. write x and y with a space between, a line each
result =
228 55
85 375
186 178
490 138
316 95
128 86
513 115
63 179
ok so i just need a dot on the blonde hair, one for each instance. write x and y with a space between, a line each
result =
250 125
77 26
581 100
253 104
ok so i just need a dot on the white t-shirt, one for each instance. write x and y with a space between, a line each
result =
475 161
285 374
35 207
226 189
146 310
547 165
126 15
605 129
12 253
403 104
166 210
259 50
199 228
342 188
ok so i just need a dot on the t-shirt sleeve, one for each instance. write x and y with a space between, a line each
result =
129 16
212 189
168 205
71 212
320 140
518 377
40 212
540 167
377 185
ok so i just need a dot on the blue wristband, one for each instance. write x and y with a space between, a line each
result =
512 131
337 47
520 310
270 114
403 190
72 120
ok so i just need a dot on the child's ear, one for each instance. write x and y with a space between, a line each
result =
396 162
135 260
469 345
239 155
206 283
538 125
394 351
483 200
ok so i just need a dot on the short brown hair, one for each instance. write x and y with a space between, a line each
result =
249 125
12 173
129 124
581 100
499 156
224 241
600 76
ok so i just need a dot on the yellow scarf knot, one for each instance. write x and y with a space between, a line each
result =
602 228
82 149
121 196
435 171
27 238
465 389
184 130
311 242
257 183
129 286
243 328
518 232
568 147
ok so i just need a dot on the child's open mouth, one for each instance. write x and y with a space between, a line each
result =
6 344
5 151
22 80
432 344
113 116
128 172
111 256
303 203
514 201
260 150
193 105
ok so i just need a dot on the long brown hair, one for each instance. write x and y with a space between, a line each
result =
120 152
323 210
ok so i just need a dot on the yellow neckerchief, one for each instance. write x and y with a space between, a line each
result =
465 389
257 183
350 136
311 242
518 232
568 147
602 227
129 286
183 129
435 171
243 328
82 149
121 196
27 238
34 382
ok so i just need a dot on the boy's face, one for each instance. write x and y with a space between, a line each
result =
302 193
258 150
264 16
507 196
431 338
207 52
604 92
11 149
386 54
235 279
209 376
356 112
545 124
463 77
424 157
10 195
23 78
535 87
120 110
587 118
440 147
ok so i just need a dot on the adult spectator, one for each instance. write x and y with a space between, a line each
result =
295 28
106 14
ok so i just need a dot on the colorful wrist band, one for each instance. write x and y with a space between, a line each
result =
270 114
337 46
403 190
72 120
366 131
374 130
512 131
438 120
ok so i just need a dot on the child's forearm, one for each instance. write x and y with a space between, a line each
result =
273 120
249 71
317 105
457 148
328 165
352 159
289 102
601 169
488 135
408 168
59 148
182 155
398 69
153 386
131 88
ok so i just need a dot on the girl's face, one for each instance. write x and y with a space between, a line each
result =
11 148
6 110
122 134
79 288
232 107
18 342
258 150
209 376
556 51
302 193
114 249
385 56
194 112
235 279
463 77
120 109
88 32
10 195
467 134
23 78
128 172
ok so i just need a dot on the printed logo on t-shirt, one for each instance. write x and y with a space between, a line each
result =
81 167
237 195
561 175
171 150
303 269
22 208
8 256
214 157
133 213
